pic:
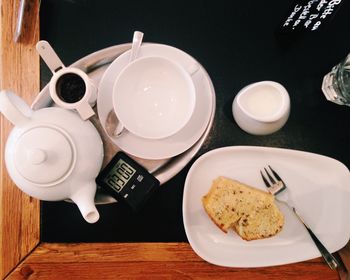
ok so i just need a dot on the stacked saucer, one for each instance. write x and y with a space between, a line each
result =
162 147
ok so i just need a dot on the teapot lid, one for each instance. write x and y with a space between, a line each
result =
44 155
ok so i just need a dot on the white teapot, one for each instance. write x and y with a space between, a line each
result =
52 154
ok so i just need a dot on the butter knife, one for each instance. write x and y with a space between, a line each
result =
20 17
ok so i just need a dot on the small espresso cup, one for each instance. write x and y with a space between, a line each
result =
71 88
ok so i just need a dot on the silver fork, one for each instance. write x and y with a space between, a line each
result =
278 188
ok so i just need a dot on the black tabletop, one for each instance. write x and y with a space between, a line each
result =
236 42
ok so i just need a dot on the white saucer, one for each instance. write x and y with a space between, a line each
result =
179 142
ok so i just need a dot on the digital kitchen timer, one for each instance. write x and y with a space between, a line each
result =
127 180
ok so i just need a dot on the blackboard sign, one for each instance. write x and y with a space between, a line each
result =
307 16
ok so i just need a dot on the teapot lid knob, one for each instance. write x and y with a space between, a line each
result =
36 156
44 155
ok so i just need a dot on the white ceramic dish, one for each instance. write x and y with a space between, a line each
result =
153 97
319 184
186 137
48 154
261 108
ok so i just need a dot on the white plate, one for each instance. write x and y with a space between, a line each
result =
321 189
181 141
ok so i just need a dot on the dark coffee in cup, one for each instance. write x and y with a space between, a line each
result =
70 88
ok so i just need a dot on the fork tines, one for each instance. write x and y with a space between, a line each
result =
275 174
273 180
267 183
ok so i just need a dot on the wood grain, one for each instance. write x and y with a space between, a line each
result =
147 261
19 72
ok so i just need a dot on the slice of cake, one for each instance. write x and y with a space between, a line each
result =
251 212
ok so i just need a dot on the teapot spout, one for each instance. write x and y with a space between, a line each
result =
84 199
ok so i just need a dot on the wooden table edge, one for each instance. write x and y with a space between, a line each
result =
146 261
19 72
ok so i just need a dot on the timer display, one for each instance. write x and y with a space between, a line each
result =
127 181
119 175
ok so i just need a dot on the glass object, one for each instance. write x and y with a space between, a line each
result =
336 84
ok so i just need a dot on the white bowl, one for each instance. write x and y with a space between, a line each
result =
261 108
153 97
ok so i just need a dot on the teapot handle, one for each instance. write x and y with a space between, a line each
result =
14 108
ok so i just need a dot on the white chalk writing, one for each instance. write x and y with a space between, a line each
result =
321 4
309 21
330 8
290 18
312 14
